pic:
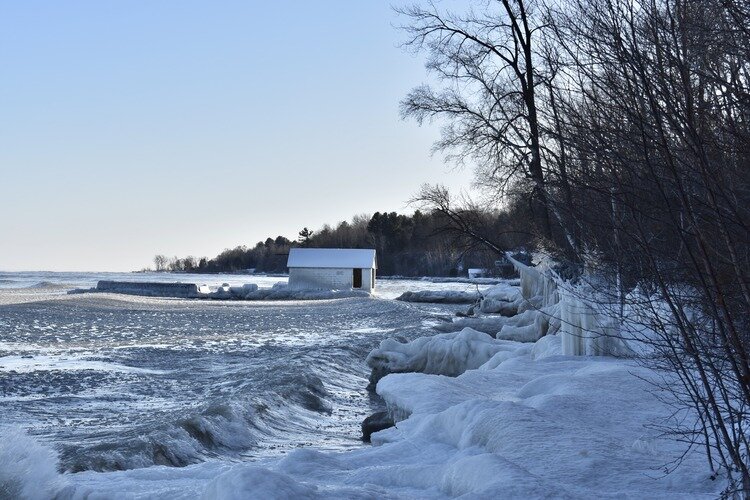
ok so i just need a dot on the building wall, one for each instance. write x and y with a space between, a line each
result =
312 278
367 281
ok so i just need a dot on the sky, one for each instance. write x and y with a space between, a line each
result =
136 128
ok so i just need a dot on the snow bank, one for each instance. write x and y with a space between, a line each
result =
549 345
522 419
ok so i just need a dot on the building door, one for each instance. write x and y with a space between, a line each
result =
357 278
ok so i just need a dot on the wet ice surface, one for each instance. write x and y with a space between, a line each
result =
119 382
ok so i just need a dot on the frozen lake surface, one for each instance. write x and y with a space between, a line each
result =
119 382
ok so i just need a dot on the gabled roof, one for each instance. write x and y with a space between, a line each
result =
331 258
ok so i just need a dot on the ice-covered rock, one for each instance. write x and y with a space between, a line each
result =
440 297
445 354
376 423
523 333
507 291
285 293
487 324
490 305
242 292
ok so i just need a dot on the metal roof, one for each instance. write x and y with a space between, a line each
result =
332 258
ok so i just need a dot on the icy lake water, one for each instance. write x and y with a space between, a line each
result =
119 382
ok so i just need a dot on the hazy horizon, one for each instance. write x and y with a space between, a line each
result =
182 128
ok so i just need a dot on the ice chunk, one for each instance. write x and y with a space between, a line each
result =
549 345
493 305
444 354
440 297
257 482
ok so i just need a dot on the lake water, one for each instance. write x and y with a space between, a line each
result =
119 382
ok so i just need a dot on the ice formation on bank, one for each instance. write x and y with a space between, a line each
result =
544 304
440 297
528 423
478 414
445 354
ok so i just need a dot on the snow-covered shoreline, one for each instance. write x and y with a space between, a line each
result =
528 423
477 415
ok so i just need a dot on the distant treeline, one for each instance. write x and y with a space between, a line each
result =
421 244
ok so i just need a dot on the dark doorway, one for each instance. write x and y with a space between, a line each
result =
357 278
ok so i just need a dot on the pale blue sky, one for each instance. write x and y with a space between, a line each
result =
131 128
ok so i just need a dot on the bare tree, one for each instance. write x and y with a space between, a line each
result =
628 123
160 262
486 64
658 145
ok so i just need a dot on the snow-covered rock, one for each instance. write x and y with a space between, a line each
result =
440 297
487 324
490 305
445 354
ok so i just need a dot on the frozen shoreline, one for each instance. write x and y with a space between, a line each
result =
475 415
529 423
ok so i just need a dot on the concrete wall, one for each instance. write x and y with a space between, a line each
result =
304 278
182 290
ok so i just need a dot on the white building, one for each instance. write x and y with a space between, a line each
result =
477 272
331 269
